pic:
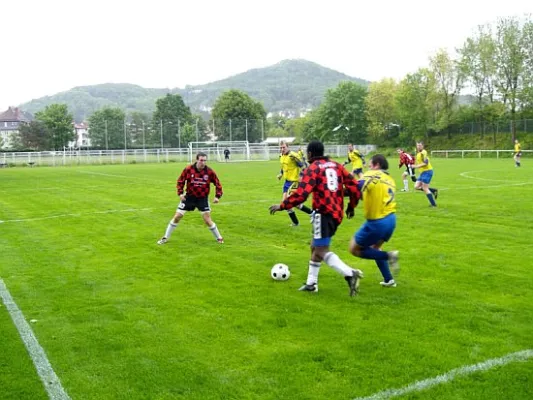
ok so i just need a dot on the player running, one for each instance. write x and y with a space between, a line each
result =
517 153
426 173
407 160
326 180
357 159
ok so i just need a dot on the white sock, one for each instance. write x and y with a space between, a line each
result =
406 184
312 275
337 264
214 230
170 228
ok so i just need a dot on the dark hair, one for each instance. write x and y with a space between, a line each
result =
201 154
381 160
316 149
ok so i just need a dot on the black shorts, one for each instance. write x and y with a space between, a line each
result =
519 154
191 202
324 227
410 171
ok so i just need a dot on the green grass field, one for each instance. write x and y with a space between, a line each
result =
122 318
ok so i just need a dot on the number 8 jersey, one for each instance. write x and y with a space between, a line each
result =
326 180
378 190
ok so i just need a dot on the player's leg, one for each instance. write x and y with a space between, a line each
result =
405 182
205 209
292 215
518 157
183 207
367 242
301 207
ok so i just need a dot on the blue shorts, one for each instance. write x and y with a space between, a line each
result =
357 171
376 230
290 186
425 177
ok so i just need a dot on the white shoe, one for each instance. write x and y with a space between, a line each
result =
390 283
404 190
393 261
163 240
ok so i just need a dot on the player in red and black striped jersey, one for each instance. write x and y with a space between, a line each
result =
327 180
198 177
408 160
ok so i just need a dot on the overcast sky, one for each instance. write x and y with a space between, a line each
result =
51 46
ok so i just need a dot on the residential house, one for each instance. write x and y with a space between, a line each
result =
82 136
10 121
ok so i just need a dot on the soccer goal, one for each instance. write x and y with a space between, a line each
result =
238 151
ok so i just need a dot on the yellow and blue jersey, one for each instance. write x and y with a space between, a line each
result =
422 158
517 148
378 192
356 158
290 166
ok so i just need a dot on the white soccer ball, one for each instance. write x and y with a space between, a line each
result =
280 272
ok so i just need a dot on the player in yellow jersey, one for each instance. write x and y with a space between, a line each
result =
378 190
517 153
356 158
302 157
426 173
291 165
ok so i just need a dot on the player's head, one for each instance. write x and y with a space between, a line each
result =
283 147
378 161
315 149
201 159
516 140
350 147
420 146
399 151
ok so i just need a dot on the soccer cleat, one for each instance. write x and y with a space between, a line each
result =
163 240
353 281
220 240
394 264
390 283
309 288
436 194
294 225
404 190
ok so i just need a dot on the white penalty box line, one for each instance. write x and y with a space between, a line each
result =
449 376
46 373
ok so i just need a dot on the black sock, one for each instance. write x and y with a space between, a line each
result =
294 218
432 190
306 209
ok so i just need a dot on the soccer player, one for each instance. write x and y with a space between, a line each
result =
302 157
198 177
517 153
226 154
378 190
326 180
407 160
291 164
357 159
426 173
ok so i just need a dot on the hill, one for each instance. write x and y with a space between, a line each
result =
291 86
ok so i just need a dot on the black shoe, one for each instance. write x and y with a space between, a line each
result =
353 281
436 193
309 288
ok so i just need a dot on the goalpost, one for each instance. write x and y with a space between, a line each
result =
240 150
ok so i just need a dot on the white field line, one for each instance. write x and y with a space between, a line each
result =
125 210
51 382
466 174
451 375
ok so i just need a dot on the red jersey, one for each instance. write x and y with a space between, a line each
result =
198 182
326 179
406 159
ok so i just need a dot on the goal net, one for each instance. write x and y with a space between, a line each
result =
238 151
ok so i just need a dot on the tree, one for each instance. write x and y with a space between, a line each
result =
106 128
415 97
170 116
34 136
238 117
344 107
59 125
380 107
449 78
511 60
139 127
